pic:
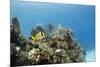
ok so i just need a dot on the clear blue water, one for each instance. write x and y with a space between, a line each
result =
80 18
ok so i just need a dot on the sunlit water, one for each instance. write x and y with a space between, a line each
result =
80 18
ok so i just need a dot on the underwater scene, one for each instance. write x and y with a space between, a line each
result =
51 33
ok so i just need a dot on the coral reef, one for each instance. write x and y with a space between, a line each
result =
59 46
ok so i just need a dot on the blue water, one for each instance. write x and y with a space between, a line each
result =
80 18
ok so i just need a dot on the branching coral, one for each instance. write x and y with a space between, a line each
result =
58 47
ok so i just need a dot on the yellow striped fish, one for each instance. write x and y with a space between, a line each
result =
38 36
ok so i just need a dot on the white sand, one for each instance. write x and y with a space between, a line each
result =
90 56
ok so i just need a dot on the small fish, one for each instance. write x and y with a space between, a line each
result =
38 36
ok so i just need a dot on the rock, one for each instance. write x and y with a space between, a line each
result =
59 47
